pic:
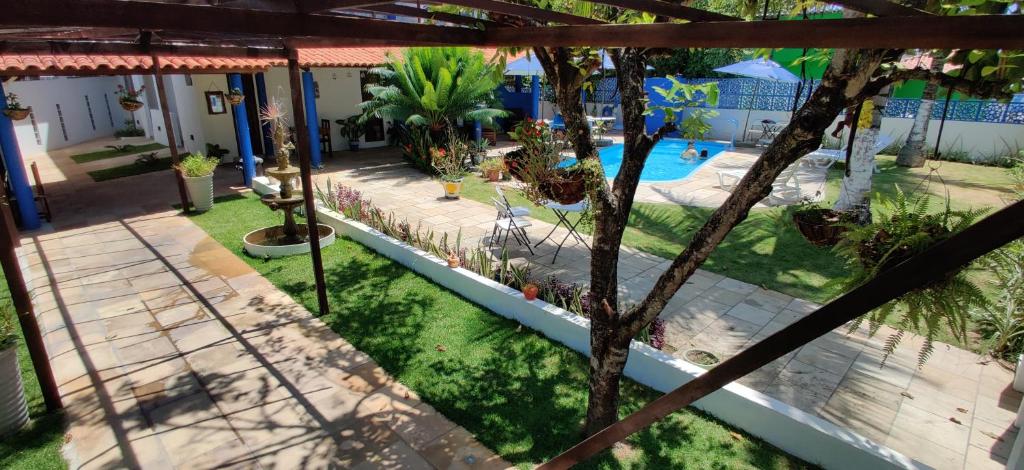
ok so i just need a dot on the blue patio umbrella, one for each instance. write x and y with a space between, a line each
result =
762 69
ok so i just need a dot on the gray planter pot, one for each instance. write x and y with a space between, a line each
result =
200 191
13 410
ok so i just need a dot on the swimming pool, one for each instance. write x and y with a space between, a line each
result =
663 164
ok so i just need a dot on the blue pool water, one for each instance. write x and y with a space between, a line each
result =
663 164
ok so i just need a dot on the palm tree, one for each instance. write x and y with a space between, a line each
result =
434 87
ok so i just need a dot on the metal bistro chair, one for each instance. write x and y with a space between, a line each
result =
326 145
504 222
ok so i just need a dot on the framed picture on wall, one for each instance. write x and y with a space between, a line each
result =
215 102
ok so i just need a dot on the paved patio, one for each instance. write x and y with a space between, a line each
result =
171 352
963 401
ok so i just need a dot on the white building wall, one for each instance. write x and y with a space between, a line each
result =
212 128
44 96
340 96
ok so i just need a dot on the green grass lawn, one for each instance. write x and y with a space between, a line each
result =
112 153
521 394
37 446
130 169
766 249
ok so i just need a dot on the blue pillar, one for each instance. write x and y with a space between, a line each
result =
16 170
261 92
478 131
535 97
312 122
242 132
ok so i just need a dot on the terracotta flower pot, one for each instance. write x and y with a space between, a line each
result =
17 114
530 291
453 261
493 175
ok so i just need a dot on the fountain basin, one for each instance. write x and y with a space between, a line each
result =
268 242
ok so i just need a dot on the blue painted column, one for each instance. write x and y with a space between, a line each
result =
261 92
312 122
478 131
242 132
16 170
535 97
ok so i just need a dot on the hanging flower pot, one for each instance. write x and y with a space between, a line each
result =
235 97
128 99
566 187
514 163
820 226
15 110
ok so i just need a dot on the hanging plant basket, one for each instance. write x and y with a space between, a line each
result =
514 163
131 106
567 187
820 226
17 114
235 98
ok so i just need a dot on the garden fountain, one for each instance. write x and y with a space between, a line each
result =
289 238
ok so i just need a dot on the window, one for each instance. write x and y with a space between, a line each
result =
188 79
110 115
35 128
88 108
63 128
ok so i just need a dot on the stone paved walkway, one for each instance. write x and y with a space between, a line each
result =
171 352
954 413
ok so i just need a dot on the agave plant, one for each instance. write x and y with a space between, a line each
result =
435 86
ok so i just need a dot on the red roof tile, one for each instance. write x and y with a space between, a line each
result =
13 64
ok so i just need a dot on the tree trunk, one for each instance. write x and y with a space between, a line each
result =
912 154
855 189
608 354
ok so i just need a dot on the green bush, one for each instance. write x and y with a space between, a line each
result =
8 331
196 164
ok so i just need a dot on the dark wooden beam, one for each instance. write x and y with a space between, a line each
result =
539 14
669 9
981 238
172 143
111 47
22 302
880 8
921 32
171 17
303 148
431 15
316 6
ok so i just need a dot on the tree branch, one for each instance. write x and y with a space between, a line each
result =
984 89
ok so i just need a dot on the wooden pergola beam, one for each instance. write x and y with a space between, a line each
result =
131 48
172 17
668 9
430 15
317 6
539 14
881 8
921 32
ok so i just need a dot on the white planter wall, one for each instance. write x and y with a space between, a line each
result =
798 433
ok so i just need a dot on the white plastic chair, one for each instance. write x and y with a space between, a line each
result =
515 211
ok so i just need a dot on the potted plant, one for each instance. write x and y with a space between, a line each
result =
906 231
128 99
235 96
530 291
449 163
820 225
352 128
13 409
453 260
492 168
14 109
197 170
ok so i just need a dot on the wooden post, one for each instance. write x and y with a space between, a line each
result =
306 173
983 237
169 127
26 313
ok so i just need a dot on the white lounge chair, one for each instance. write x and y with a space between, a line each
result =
786 181
825 158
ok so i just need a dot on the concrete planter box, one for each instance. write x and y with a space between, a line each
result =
200 191
13 410
1018 375
791 429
